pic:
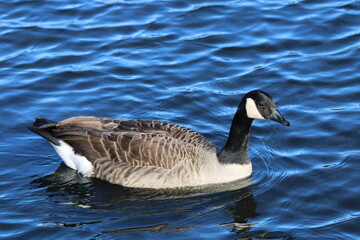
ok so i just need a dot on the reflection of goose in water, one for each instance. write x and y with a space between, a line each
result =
156 154
245 222
192 208
66 187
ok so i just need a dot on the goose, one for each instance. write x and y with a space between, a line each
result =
156 154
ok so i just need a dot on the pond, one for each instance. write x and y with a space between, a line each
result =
189 63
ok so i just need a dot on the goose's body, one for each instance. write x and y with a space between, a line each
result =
154 154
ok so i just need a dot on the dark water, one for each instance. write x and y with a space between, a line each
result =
187 62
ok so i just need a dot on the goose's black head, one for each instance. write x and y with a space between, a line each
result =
260 105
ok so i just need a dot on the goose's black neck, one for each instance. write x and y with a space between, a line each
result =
236 149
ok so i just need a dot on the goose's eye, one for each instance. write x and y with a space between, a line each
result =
261 104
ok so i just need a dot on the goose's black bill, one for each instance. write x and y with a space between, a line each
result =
277 117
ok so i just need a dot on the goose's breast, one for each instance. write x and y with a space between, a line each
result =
231 172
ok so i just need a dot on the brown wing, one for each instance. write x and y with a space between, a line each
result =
132 142
120 149
142 126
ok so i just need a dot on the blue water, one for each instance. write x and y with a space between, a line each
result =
186 62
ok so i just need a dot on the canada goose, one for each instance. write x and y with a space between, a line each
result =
156 154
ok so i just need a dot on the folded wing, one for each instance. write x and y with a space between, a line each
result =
119 148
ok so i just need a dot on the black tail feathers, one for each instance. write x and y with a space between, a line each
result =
43 127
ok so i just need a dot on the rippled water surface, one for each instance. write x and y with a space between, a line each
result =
187 62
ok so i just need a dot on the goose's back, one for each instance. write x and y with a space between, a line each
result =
115 126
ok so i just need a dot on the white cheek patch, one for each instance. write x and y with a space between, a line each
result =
251 109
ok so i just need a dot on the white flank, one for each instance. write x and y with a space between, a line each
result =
72 160
251 109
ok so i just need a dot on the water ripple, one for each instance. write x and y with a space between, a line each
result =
187 62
